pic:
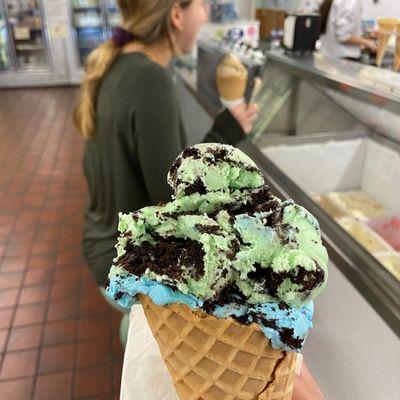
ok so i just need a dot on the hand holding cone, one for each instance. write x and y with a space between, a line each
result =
231 80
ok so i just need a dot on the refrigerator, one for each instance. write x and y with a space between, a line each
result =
29 42
93 21
5 57
33 36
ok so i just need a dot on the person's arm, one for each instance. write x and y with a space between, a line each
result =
346 18
232 125
305 387
362 42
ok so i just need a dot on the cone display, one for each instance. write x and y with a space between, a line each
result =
396 63
386 29
231 78
218 359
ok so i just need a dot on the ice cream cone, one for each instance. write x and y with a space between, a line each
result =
386 29
218 359
396 63
231 78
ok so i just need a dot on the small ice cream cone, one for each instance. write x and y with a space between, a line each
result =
219 359
231 79
396 63
386 29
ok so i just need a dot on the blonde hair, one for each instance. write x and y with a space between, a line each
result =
148 21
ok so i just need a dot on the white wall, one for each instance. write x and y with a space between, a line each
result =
383 8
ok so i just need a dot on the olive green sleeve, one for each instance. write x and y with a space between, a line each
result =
225 130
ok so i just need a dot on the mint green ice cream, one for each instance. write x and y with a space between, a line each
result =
224 230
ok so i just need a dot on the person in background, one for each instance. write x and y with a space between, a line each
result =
129 115
341 30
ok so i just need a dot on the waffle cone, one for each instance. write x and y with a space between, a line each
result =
383 41
231 87
386 29
396 62
218 359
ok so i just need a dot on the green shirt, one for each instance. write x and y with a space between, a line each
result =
139 133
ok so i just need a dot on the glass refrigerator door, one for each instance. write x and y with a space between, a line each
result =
5 60
89 26
25 20
113 15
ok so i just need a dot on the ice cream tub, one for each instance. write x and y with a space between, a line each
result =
388 227
391 261
357 204
364 235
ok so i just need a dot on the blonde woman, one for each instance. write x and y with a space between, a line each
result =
128 113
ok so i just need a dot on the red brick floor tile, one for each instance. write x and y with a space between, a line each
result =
117 375
94 327
18 389
116 396
54 386
10 280
12 264
23 338
69 256
117 349
30 314
116 318
65 273
37 276
57 358
19 364
65 290
90 288
8 298
92 381
34 294
41 262
94 351
94 305
5 317
64 309
3 339
19 250
44 248
60 332
3 248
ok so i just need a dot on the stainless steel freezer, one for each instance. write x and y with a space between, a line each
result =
329 128
33 40
5 55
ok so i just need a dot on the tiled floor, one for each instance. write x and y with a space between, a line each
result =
58 337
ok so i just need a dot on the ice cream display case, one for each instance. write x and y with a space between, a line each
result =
327 137
330 142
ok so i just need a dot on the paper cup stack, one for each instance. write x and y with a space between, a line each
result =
387 26
231 80
219 359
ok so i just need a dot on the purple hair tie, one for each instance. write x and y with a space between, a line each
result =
121 36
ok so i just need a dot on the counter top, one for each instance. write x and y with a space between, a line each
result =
368 79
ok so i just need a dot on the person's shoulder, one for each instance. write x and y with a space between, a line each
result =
142 72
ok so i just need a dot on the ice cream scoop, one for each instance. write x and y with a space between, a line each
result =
226 245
